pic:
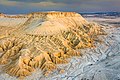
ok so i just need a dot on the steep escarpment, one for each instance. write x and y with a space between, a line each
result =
44 40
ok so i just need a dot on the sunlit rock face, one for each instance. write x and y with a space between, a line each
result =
43 40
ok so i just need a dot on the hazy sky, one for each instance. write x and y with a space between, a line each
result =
26 6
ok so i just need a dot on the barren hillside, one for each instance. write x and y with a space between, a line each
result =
43 40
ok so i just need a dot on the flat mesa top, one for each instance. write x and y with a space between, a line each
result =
58 14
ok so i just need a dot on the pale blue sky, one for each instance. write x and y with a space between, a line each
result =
26 6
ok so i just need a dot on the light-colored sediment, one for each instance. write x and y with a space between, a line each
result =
43 40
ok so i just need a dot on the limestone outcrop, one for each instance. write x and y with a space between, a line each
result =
43 40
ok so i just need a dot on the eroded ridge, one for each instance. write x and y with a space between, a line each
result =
44 44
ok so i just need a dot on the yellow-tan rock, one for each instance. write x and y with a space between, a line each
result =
43 40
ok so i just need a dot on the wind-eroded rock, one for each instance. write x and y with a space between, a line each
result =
44 40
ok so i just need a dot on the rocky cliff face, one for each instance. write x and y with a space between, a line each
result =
43 40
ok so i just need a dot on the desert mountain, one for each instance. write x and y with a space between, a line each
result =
43 40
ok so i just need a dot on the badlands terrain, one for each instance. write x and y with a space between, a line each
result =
59 46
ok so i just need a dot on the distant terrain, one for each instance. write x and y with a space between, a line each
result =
101 14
